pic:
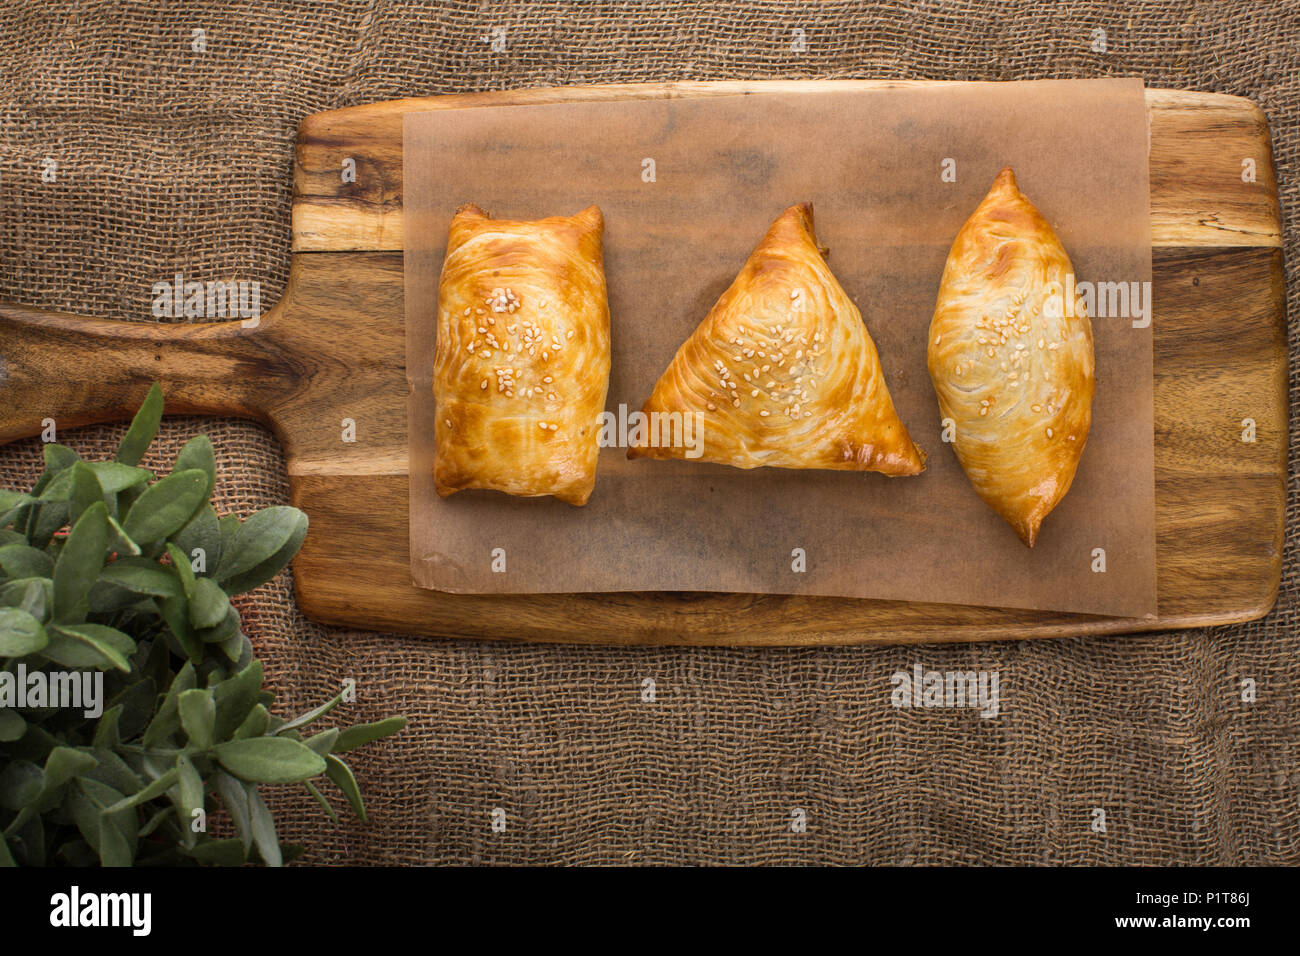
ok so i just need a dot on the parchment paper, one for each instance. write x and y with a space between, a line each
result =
724 168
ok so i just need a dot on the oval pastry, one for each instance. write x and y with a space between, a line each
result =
1011 361
782 371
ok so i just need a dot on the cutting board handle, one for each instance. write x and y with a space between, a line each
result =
77 370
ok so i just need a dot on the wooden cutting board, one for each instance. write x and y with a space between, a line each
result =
333 348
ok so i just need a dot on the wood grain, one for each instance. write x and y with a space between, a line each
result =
1198 142
332 348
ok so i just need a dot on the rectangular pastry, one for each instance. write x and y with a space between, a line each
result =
521 364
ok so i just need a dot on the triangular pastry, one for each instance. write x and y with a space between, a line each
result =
782 372
1011 359
521 364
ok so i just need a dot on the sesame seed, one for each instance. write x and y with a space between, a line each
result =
554 426
754 394
712 407
1049 433
483 384
542 425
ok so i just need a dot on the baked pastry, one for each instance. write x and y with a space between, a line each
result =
782 372
521 364
1011 359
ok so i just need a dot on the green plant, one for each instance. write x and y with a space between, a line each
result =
106 571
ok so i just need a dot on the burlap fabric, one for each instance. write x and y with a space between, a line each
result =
173 160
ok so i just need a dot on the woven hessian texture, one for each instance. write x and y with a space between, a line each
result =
175 161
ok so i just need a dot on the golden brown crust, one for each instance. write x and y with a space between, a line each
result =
782 371
1011 361
521 364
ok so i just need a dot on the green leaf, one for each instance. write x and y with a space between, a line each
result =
49 518
117 836
229 852
89 645
226 629
6 858
79 564
341 774
320 798
58 457
115 477
311 716
147 578
12 725
262 546
62 765
269 760
108 730
264 838
234 797
85 490
208 605
197 453
323 742
201 538
175 611
255 724
167 721
191 791
165 506
21 782
20 633
32 595
198 713
353 737
85 814
183 570
157 820
114 771
119 540
24 561
235 698
150 792
143 428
